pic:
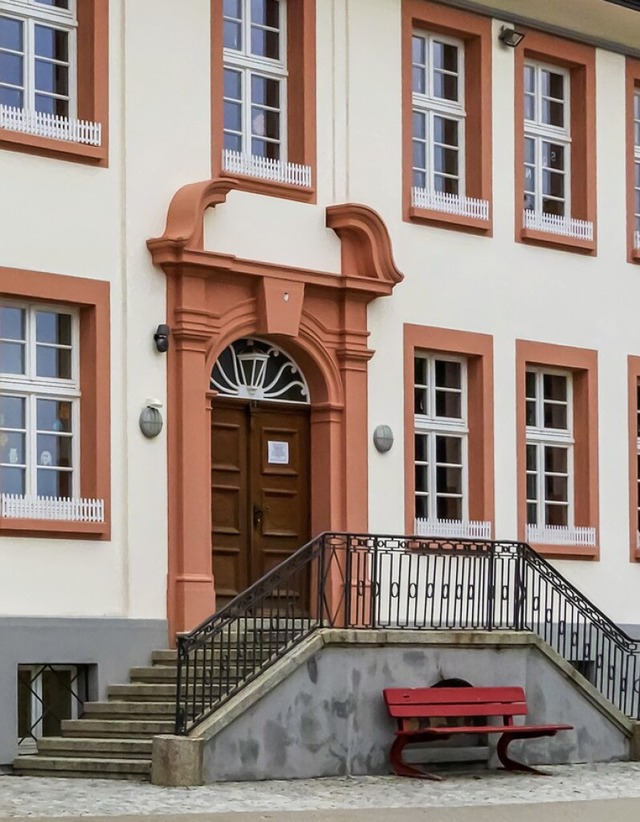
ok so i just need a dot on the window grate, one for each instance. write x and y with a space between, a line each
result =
52 126
266 168
450 203
555 224
52 508
47 695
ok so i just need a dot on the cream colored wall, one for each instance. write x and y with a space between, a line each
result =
72 219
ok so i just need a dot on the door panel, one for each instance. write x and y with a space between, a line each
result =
229 477
259 491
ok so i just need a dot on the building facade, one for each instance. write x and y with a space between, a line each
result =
333 215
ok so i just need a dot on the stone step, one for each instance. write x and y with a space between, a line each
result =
152 691
83 767
234 652
119 728
128 710
166 673
89 748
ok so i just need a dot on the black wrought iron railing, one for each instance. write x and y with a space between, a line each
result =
414 583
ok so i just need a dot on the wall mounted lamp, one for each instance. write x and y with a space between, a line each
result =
510 37
161 338
383 438
150 420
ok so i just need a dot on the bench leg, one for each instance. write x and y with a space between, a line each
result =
401 768
511 764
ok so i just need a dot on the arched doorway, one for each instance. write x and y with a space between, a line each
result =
260 464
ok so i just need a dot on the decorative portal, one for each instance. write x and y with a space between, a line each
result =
256 370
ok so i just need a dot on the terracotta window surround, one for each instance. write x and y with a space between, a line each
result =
633 86
301 101
475 31
580 60
92 92
634 381
583 365
91 299
478 351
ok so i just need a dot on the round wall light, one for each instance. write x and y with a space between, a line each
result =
150 420
383 438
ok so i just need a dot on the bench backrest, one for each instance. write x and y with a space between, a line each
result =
405 703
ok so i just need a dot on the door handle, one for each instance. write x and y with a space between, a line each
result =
257 516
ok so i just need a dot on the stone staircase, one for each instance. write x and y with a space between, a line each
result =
113 739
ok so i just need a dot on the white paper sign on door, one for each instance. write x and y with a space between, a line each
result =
278 453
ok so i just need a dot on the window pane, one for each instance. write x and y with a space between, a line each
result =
420 365
52 78
232 84
420 179
552 84
265 43
233 8
54 483
11 32
422 506
449 450
232 35
531 412
419 154
12 449
555 387
54 415
51 105
265 123
265 12
12 480
556 460
265 91
553 156
261 148
422 478
529 79
59 4
532 458
12 358
557 515
553 113
418 50
445 86
445 131
532 513
532 486
556 489
555 207
445 56
53 362
555 416
449 508
12 323
12 412
419 401
529 151
52 327
11 97
448 374
419 125
448 404
53 450
529 107
446 160
419 80
10 69
232 116
421 446
52 43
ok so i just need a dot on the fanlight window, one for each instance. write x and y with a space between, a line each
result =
256 370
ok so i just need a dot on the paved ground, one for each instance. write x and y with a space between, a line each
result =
368 799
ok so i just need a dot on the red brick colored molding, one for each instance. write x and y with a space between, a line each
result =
580 60
632 86
301 100
93 93
91 299
583 363
475 31
633 367
478 349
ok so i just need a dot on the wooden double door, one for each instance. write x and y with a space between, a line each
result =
260 491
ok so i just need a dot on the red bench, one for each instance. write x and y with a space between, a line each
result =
426 714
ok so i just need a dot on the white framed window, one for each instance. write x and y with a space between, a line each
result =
38 56
549 444
47 695
636 169
441 433
438 114
255 78
39 403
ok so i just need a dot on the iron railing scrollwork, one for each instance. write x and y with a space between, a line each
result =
390 582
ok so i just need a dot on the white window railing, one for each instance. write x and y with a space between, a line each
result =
462 529
558 535
50 125
450 203
15 506
267 169
554 224
636 240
